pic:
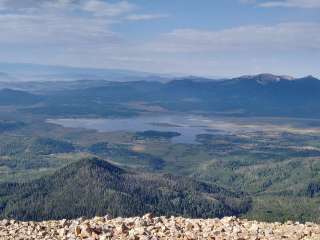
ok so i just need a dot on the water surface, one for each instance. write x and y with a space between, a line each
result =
189 126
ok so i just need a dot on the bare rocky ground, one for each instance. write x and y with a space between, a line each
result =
156 228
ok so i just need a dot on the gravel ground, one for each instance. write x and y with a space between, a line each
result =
157 228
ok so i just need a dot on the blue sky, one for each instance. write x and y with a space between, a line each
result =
198 37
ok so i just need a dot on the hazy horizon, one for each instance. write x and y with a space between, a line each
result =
211 38
169 75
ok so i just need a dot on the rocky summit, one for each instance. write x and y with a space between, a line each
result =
149 227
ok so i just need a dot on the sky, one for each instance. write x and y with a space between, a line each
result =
193 37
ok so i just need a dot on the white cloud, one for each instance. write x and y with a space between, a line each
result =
280 37
285 3
95 8
18 5
102 8
65 23
139 17
33 30
293 3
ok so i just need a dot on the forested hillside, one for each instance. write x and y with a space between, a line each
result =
93 187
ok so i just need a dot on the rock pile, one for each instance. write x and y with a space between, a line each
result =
157 228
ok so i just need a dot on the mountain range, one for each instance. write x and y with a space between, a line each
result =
259 95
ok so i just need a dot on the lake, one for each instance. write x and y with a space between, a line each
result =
189 126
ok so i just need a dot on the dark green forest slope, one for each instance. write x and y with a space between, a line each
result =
94 187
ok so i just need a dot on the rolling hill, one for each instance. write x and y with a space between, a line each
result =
92 187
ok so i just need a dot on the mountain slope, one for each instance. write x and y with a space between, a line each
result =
15 97
94 187
261 95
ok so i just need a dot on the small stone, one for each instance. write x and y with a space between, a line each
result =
5 222
77 231
63 222
189 226
62 232
122 228
148 216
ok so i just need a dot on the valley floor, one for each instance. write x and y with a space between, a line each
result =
157 228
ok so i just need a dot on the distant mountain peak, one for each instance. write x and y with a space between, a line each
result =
193 78
266 78
310 77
